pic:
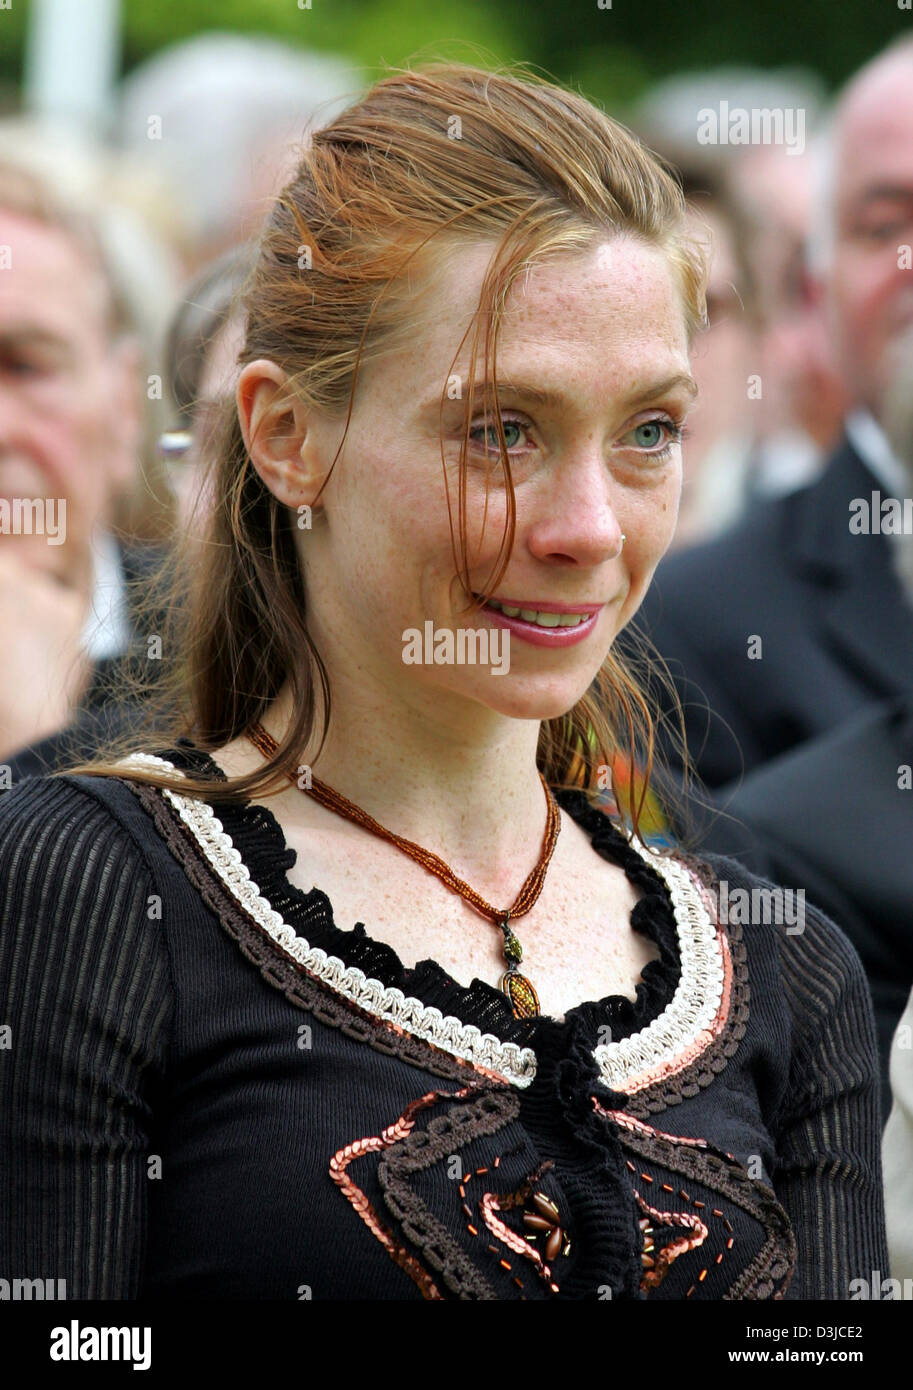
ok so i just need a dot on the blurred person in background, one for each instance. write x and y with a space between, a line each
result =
72 420
791 814
219 116
790 624
200 360
721 435
804 399
201 350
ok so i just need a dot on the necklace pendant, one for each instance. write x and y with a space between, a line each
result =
519 990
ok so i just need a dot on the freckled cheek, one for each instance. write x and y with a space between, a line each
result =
398 558
645 545
653 515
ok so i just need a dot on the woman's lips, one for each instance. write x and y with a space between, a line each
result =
546 636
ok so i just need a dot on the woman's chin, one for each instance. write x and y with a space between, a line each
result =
522 700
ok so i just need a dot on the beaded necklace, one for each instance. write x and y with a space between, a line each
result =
520 991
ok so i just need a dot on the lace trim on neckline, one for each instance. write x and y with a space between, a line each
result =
680 1030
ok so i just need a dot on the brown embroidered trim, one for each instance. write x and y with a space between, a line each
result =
686 1018
489 1204
769 1274
489 1207
460 1274
656 1272
340 1162
288 975
623 1118
444 1135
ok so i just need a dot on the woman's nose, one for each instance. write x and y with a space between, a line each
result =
578 520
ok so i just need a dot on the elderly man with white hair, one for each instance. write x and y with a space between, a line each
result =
795 620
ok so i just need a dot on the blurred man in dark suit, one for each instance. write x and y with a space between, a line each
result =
835 814
792 622
835 818
798 625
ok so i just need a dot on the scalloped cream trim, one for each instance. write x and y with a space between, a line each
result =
689 1014
696 1001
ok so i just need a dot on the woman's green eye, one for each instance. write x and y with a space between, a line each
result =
654 426
512 431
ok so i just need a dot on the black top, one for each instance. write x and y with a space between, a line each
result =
213 1091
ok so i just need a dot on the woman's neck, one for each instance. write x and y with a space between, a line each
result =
465 788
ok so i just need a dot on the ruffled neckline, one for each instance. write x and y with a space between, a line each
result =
258 837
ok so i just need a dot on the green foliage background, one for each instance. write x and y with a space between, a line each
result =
611 54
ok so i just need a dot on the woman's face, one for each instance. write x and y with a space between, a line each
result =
594 385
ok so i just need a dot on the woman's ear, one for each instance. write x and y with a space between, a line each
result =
278 434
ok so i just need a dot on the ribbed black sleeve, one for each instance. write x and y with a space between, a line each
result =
828 1171
829 1159
84 989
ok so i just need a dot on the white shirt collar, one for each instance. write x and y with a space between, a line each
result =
106 631
871 444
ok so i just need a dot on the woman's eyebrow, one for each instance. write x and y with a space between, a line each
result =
542 396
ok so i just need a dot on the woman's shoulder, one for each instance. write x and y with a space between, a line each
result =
76 875
808 987
60 800
751 899
818 966
65 830
85 967
77 825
